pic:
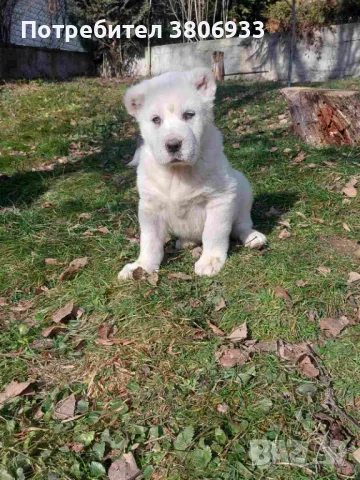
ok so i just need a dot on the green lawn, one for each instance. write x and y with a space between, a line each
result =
161 392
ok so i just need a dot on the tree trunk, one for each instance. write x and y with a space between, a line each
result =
325 117
218 66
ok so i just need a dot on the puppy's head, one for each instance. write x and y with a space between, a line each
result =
174 110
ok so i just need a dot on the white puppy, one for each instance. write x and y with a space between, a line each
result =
185 182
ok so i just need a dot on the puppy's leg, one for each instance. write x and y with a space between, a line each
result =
183 243
152 240
243 230
215 237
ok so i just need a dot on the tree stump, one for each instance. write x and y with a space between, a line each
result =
325 117
218 66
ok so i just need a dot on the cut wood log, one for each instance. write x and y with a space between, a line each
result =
325 117
218 67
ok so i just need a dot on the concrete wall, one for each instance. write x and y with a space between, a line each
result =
38 10
31 62
331 53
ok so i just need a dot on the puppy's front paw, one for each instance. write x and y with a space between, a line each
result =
209 265
127 271
255 240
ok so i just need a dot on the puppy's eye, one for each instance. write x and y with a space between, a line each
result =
156 120
188 115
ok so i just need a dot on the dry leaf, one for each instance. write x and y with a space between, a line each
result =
123 469
239 334
196 252
14 389
346 227
350 192
356 455
153 279
22 306
281 292
65 408
113 341
287 150
284 234
106 331
354 277
215 329
332 327
317 220
48 205
323 269
138 274
300 157
85 216
179 276
285 223
233 356
302 283
53 331
103 230
352 182
220 305
195 303
51 261
344 468
73 123
3 302
69 312
236 145
307 368
74 267
311 316
222 408
292 351
273 149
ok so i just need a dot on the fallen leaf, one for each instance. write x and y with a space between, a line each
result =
220 305
113 341
74 268
14 389
196 252
153 279
350 192
123 469
302 283
281 292
307 368
179 276
329 164
88 234
285 223
48 205
346 227
356 455
344 468
65 408
354 277
138 274
73 123
323 269
104 230
284 234
69 312
22 306
273 149
311 316
51 261
287 150
332 327
233 356
239 334
352 182
3 302
292 351
222 408
195 303
236 145
53 331
85 216
77 447
217 331
300 157
317 220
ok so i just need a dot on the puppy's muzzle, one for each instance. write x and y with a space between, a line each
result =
173 145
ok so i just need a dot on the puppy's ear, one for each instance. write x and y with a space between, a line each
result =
204 81
134 98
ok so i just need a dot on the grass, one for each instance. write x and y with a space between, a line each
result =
159 396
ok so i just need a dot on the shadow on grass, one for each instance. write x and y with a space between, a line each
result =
23 188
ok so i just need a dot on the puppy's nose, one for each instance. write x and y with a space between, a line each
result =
173 145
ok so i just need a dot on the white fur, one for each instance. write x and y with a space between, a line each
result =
193 193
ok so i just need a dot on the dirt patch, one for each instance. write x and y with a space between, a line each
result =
344 246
